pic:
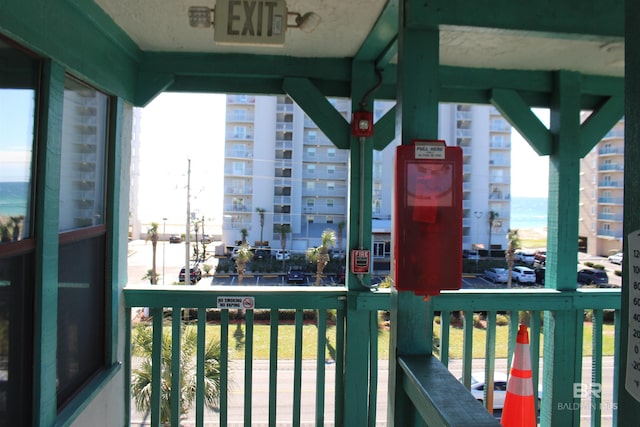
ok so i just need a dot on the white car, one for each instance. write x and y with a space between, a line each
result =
527 257
499 388
523 275
616 259
281 255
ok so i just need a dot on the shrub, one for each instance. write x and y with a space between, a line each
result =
502 320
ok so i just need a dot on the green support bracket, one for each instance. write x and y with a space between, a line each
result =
384 130
599 123
150 85
319 109
513 108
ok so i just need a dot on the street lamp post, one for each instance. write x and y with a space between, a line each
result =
164 244
478 215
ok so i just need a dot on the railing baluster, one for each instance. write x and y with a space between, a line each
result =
297 368
202 325
514 321
534 340
248 368
273 365
224 365
596 367
321 322
156 366
490 356
467 348
176 325
445 335
339 385
373 368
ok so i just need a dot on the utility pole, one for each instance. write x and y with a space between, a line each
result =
187 240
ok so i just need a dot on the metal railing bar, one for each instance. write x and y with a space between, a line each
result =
273 365
490 356
248 367
596 367
176 344
202 318
321 322
297 369
467 348
445 324
534 339
373 367
224 362
156 367
339 385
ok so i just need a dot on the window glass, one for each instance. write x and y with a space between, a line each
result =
17 110
82 169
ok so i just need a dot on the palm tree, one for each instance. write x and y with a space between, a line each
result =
244 257
16 221
493 215
283 230
261 212
513 243
141 346
245 233
320 255
152 234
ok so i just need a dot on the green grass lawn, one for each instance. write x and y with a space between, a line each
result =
286 341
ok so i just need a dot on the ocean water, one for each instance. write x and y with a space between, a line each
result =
14 197
528 212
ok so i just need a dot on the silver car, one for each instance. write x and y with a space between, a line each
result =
496 275
523 275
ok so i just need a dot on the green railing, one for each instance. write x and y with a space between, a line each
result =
513 303
293 389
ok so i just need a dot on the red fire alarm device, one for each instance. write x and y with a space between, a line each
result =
362 123
360 261
427 217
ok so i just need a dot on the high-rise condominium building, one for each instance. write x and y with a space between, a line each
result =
281 171
601 194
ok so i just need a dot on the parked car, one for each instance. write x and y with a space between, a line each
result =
540 258
496 275
195 274
470 254
540 273
295 274
523 275
261 254
174 238
525 256
281 255
499 388
616 259
206 239
593 276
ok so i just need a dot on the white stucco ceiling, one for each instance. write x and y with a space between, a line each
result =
163 25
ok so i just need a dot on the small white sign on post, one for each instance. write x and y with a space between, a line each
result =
429 149
246 303
632 260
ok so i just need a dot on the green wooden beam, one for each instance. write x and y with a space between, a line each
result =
519 114
599 123
387 54
384 31
384 130
150 85
319 109
571 19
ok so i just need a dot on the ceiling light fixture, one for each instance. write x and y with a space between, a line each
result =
305 23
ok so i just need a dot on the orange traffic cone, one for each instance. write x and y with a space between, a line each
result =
519 405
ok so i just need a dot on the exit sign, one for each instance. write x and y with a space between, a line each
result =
257 22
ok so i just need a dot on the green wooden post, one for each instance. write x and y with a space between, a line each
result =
417 117
357 332
561 327
46 230
629 413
